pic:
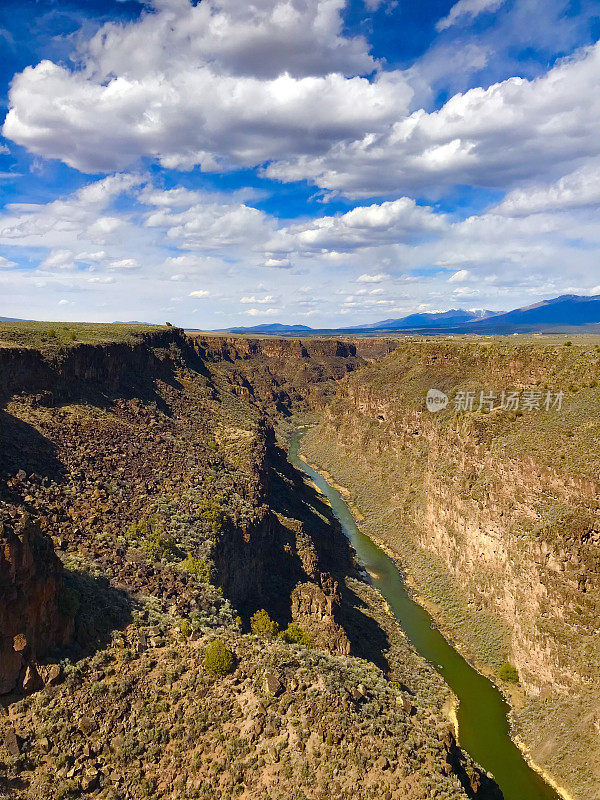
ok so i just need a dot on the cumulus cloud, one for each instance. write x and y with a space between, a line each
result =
206 224
262 312
395 254
368 226
513 131
278 263
378 278
578 189
460 277
468 8
280 85
6 264
211 84
261 300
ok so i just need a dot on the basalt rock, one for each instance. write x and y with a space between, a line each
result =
30 619
315 607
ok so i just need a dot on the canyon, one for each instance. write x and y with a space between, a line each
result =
149 512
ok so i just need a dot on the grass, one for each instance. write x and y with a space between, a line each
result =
53 335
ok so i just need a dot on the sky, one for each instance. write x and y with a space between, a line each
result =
320 162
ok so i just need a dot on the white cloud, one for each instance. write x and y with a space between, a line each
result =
210 225
513 131
210 84
278 263
6 264
367 226
280 85
460 277
468 8
123 263
253 299
63 259
200 293
578 189
262 312
366 278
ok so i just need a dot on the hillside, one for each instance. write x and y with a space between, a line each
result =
493 513
147 513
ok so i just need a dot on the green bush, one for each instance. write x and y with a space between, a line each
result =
196 567
218 658
294 634
149 535
508 673
261 624
213 514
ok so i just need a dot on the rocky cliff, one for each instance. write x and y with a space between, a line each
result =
493 512
32 620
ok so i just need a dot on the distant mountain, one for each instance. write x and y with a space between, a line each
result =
13 319
456 316
555 315
566 310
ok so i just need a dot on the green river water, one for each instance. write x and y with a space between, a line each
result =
483 711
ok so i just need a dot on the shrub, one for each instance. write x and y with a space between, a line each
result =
213 514
149 534
261 624
196 567
508 673
218 658
294 634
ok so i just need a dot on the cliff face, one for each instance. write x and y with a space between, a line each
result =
31 620
149 466
494 516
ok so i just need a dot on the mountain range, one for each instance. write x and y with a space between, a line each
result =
548 316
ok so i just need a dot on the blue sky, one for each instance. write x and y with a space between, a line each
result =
312 161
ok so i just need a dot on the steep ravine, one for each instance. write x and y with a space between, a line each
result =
494 518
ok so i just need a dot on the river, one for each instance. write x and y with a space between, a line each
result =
482 712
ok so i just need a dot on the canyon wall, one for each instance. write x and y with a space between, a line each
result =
494 515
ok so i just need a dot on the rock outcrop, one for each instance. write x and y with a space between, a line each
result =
315 608
31 620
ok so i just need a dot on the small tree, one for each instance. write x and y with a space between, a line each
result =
508 673
294 634
196 567
261 624
218 658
